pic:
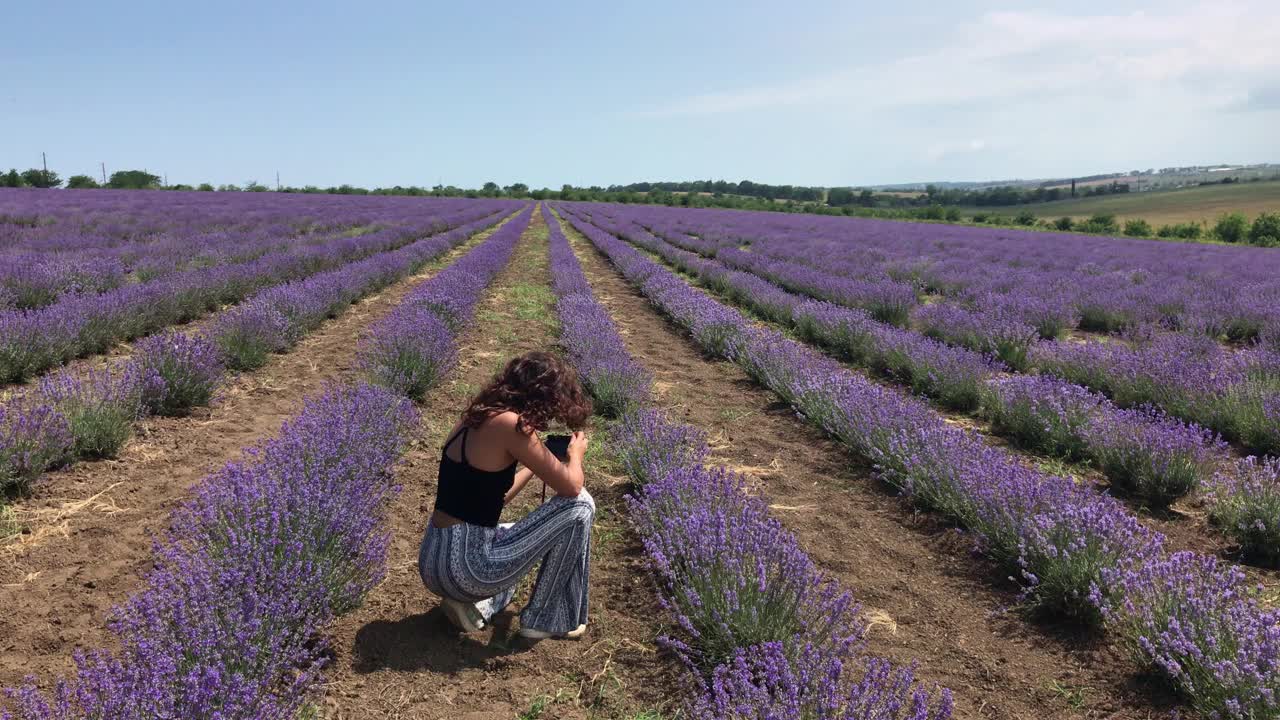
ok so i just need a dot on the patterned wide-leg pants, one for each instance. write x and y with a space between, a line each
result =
483 565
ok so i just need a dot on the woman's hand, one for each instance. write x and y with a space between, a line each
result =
578 446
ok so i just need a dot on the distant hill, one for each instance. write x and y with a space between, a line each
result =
1139 180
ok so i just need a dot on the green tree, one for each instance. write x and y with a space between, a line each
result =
81 182
490 189
35 177
11 179
1026 217
1137 228
1232 228
255 186
205 187
228 187
1064 223
1266 230
517 190
133 180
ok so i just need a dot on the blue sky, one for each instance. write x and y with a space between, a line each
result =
823 93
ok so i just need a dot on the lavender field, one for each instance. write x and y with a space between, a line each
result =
847 468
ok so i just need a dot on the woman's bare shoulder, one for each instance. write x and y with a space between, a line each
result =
507 421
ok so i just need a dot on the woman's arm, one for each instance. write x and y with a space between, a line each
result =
522 479
565 478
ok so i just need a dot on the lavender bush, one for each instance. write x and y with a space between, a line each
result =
34 437
408 351
1200 624
99 408
1148 455
731 575
1245 503
1042 413
248 334
180 372
762 682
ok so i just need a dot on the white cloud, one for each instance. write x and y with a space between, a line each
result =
1196 56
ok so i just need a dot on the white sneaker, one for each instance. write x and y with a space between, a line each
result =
535 634
464 615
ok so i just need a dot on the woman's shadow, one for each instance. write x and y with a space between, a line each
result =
428 641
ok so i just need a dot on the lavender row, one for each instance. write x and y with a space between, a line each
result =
1187 375
1235 393
1142 453
416 343
763 633
72 416
617 382
81 224
31 280
35 340
1100 283
266 552
1076 554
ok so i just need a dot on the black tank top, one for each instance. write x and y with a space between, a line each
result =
470 494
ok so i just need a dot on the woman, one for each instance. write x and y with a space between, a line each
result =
466 557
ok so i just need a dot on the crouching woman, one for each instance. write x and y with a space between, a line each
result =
467 558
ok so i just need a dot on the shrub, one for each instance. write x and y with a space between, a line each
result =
1199 622
744 584
1231 227
952 214
979 217
1026 217
178 372
408 351
33 438
1266 230
1149 456
1042 413
99 409
1188 230
248 334
1246 506
1064 223
1101 223
1137 228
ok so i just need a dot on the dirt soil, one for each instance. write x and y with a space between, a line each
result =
398 656
88 528
934 601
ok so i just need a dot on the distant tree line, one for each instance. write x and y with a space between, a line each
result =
935 204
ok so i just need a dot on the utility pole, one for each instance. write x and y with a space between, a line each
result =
104 172
45 162
277 181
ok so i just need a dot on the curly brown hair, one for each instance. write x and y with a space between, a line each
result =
537 386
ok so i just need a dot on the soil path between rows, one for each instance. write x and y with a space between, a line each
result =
399 657
934 600
90 526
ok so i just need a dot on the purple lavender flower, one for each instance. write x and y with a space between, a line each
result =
248 334
1148 455
408 351
34 437
1245 504
100 407
178 372
1199 623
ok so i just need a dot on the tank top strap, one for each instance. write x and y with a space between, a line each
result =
462 433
